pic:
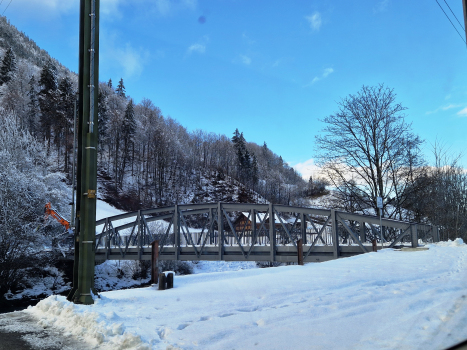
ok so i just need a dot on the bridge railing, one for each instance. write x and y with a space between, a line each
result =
250 232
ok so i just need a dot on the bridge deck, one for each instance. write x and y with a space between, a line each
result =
258 253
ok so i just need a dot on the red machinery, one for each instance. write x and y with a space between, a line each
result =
49 211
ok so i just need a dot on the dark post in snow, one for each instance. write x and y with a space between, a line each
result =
162 281
85 232
155 261
300 251
170 280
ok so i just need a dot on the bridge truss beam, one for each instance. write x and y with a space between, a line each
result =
269 233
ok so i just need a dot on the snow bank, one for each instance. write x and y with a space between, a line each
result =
458 242
80 321
389 299
220 266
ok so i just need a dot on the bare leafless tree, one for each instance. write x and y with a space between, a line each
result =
440 196
367 150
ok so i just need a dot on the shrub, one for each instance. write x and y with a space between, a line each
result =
179 267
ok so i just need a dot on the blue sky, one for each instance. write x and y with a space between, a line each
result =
271 68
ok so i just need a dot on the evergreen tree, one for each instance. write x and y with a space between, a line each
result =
254 170
33 107
64 124
244 161
236 137
120 90
109 83
48 99
129 122
102 115
8 68
67 96
48 78
239 144
128 131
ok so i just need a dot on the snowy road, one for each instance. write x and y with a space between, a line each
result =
20 331
385 300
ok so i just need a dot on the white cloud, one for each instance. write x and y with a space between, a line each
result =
167 7
325 74
307 168
131 60
197 48
381 6
247 39
45 8
462 112
200 46
122 57
245 60
327 71
444 108
314 20
110 7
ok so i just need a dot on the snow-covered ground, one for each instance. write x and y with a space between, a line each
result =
385 300
105 210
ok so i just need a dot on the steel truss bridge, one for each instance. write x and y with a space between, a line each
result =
210 232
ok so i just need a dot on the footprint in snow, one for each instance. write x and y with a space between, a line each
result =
164 332
248 309
300 302
260 323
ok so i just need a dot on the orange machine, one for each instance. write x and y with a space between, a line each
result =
49 211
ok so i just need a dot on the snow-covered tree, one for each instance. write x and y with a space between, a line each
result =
26 185
48 99
33 111
120 90
8 66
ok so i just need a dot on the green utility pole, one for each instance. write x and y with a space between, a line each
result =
85 230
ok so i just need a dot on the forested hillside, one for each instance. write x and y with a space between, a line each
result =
145 159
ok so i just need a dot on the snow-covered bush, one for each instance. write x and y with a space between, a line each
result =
114 274
25 187
179 267
263 264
